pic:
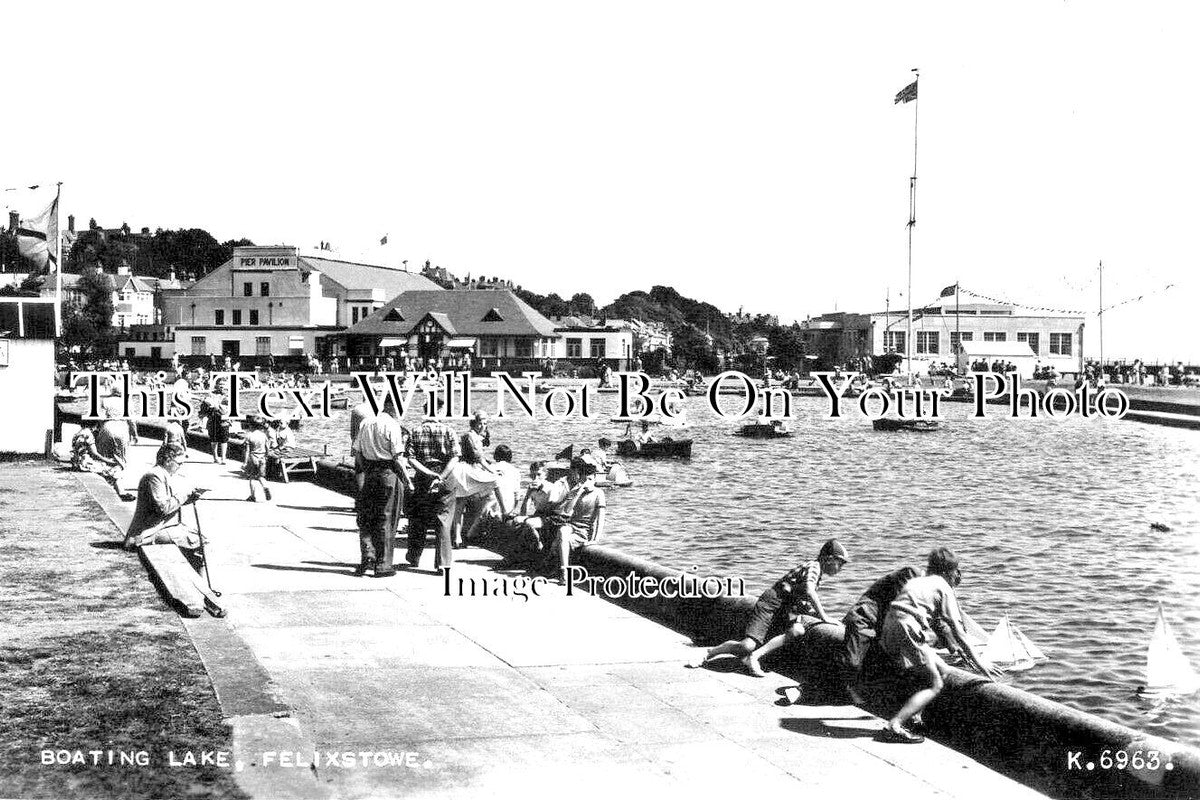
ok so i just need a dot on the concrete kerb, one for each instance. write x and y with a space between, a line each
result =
1026 737
258 721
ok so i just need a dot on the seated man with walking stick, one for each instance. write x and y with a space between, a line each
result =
157 518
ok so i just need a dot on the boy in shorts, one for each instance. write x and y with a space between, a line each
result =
790 605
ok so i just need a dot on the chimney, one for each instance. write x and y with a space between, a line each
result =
123 269
171 274
14 220
70 223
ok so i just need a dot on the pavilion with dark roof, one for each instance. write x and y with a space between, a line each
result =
493 326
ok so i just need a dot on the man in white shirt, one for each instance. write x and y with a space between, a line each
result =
379 466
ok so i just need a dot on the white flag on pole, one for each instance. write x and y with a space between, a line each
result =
37 238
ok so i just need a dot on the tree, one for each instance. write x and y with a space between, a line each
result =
691 350
786 345
582 303
88 326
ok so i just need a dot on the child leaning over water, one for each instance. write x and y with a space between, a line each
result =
784 611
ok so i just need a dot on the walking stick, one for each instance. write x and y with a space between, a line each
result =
203 554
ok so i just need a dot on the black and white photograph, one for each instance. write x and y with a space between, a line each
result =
556 399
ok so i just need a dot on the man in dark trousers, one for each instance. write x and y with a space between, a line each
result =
379 463
431 450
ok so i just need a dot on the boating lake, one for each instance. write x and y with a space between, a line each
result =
1050 518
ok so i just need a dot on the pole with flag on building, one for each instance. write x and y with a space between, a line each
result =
906 95
39 243
953 290
383 240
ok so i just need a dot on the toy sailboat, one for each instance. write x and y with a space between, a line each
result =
1010 649
1168 671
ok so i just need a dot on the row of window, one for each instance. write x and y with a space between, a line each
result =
928 341
264 289
235 317
575 348
262 346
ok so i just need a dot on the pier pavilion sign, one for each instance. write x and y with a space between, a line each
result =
264 258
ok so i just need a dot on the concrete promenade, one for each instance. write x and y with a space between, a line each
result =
492 696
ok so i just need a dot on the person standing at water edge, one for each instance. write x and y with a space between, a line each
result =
358 415
379 455
771 614
909 634
804 609
862 624
431 449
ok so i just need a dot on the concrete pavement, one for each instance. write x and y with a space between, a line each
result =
477 696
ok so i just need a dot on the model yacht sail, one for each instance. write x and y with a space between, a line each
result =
1168 672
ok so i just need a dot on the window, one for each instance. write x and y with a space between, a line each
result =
574 348
237 316
893 341
1060 344
524 348
264 289
954 339
597 348
262 346
156 353
492 315
129 352
219 317
487 347
248 289
254 316
927 341
995 336
1031 339
199 346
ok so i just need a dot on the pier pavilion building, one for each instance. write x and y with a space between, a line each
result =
279 302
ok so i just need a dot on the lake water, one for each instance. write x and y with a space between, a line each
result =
1050 518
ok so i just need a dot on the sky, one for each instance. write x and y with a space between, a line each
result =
749 155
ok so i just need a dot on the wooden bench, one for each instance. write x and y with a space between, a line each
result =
294 460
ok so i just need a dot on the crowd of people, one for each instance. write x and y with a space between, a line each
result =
448 485
903 618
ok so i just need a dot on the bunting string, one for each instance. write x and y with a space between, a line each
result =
1071 311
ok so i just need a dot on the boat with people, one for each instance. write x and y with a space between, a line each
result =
765 429
655 448
914 425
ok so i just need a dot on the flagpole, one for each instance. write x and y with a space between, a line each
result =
912 221
58 262
957 326
1101 315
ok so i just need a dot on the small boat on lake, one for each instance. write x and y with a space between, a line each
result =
915 425
1168 672
765 429
665 448
1011 650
